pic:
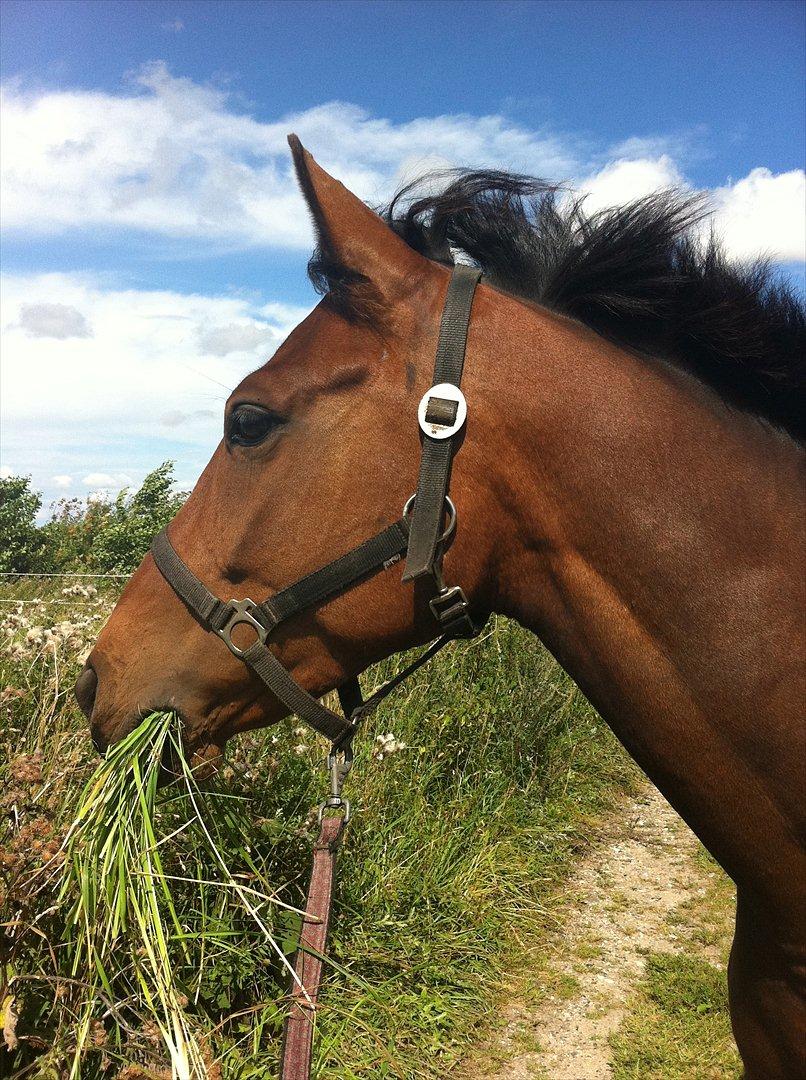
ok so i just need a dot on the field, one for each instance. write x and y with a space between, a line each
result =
462 834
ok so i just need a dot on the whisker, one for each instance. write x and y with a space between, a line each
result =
204 375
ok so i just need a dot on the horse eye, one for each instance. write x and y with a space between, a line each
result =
249 425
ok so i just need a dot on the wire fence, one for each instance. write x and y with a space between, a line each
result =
19 573
73 602
69 603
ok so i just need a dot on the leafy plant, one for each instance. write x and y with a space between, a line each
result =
24 544
134 520
111 537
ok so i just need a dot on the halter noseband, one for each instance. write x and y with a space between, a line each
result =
419 533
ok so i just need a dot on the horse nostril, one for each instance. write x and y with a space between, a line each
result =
85 690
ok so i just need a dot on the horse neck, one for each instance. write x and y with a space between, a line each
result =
652 541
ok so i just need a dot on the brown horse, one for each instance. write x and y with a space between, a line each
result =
629 487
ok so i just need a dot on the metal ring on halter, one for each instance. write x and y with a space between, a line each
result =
450 529
241 614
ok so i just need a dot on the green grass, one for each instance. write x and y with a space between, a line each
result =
456 845
677 1025
114 880
128 935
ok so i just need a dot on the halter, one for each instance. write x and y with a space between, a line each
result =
419 533
422 533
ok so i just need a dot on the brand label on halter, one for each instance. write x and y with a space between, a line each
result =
442 411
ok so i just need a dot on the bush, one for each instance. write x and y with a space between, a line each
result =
112 537
73 531
133 521
24 543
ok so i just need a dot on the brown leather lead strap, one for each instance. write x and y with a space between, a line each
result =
295 1063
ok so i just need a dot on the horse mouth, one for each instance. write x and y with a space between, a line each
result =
181 753
184 753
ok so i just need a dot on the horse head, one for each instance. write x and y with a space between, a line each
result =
321 449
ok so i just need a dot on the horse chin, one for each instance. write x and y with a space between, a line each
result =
204 740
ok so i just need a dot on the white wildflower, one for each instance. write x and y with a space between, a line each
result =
385 745
87 591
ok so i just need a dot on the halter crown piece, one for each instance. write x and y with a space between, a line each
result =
422 532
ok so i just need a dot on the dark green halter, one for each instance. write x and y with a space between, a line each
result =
421 533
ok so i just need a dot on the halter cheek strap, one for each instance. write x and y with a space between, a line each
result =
442 415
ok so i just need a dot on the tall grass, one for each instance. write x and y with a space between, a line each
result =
458 841
125 921
115 877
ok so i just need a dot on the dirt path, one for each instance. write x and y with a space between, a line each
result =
641 871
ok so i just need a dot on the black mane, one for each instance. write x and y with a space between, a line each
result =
636 274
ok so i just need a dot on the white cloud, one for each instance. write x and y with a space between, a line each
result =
623 180
140 390
761 215
173 157
764 214
177 417
53 320
238 337
62 480
6 472
107 480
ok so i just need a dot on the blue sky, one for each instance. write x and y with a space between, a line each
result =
153 246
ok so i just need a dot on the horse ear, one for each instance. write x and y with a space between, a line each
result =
360 262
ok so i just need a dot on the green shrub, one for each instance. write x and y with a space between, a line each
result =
134 520
24 545
111 537
73 531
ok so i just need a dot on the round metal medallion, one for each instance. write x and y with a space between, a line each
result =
442 411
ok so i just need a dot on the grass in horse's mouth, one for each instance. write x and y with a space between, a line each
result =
124 919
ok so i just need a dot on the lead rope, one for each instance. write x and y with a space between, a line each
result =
301 1016
300 1021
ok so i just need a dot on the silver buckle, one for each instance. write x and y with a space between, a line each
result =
241 613
451 609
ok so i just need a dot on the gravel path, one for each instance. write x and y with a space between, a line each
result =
618 903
